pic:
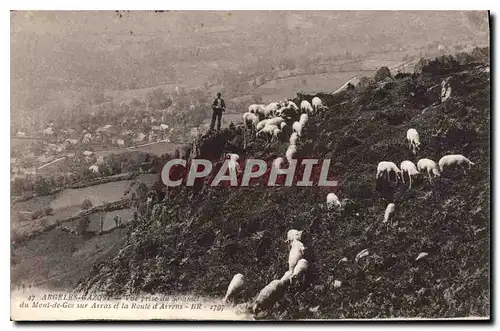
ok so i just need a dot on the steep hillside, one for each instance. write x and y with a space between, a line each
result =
202 239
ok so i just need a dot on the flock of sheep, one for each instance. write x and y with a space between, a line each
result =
272 292
272 120
423 165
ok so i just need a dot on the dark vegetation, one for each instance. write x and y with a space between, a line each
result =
202 238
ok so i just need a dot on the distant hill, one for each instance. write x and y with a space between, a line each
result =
57 56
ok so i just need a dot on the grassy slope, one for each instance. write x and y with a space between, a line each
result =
205 239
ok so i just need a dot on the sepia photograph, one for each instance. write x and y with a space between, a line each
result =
250 165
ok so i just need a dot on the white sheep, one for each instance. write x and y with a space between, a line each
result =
284 127
387 167
317 103
291 104
286 278
300 269
276 121
296 252
256 108
413 140
235 286
290 153
271 108
293 235
409 168
389 212
268 296
429 166
305 106
261 124
455 160
293 138
297 127
272 130
303 119
332 201
249 118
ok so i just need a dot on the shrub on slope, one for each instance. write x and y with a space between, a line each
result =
199 241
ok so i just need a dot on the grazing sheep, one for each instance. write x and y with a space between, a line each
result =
409 168
291 104
256 108
293 235
413 140
296 251
389 212
455 160
387 167
271 129
271 108
249 118
290 153
286 278
268 296
332 201
297 127
303 119
276 121
293 138
300 269
261 124
317 103
429 166
305 106
235 286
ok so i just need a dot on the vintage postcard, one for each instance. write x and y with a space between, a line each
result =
250 165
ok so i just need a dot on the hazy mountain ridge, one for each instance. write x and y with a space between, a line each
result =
62 51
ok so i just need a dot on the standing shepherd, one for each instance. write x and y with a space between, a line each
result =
218 106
